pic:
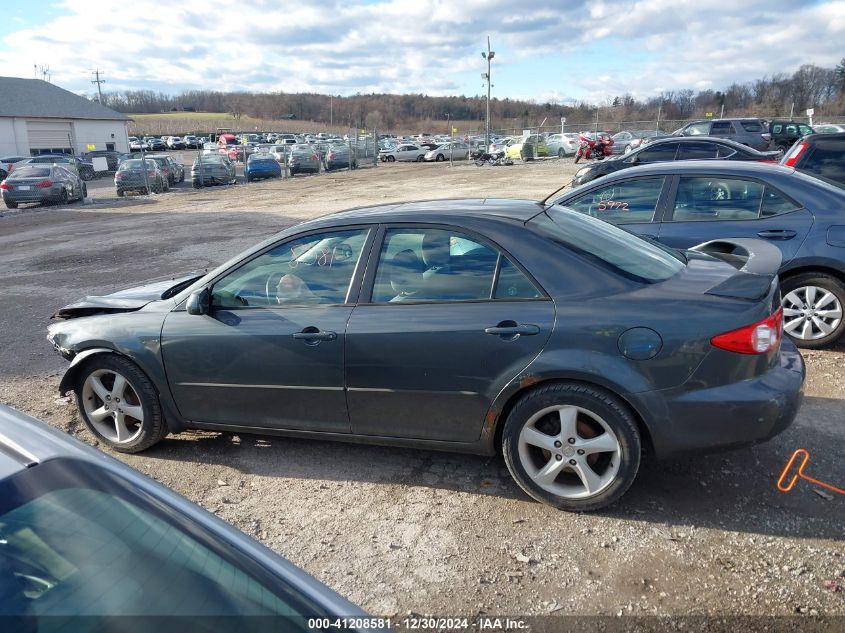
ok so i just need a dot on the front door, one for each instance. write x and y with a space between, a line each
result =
428 354
270 353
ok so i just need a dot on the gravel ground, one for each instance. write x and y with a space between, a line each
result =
401 531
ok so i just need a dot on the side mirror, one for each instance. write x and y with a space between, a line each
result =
199 302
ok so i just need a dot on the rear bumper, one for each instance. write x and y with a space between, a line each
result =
35 195
684 420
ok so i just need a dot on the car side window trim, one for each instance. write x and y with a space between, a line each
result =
368 283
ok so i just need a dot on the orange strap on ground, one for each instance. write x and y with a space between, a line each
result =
804 455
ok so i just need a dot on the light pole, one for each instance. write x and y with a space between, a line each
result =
489 57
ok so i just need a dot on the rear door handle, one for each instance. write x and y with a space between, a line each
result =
511 330
777 234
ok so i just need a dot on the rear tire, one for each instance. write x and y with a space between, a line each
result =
10 204
120 193
561 153
119 404
824 298
562 435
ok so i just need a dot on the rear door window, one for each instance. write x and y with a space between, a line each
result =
722 127
656 153
697 150
633 200
714 198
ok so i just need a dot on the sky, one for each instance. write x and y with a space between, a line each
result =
545 50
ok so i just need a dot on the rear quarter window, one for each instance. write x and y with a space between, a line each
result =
751 126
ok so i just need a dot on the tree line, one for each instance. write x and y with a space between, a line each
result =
776 95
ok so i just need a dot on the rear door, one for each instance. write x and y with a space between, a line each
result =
450 319
707 207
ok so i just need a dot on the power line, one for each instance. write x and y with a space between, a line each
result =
98 81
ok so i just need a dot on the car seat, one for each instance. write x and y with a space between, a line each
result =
406 275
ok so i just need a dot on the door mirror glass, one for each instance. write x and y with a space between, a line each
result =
198 302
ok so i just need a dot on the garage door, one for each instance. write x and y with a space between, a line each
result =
48 136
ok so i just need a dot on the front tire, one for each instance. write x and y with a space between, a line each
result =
572 446
119 404
440 158
812 309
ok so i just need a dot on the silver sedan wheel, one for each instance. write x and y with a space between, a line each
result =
811 313
569 451
112 406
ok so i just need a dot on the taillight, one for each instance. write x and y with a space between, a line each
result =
757 338
766 137
313 157
4 185
151 174
44 184
794 153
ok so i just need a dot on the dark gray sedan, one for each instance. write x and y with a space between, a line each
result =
42 184
89 544
478 326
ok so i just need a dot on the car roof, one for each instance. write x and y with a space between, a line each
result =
439 211
723 167
695 139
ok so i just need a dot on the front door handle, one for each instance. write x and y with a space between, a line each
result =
313 335
511 328
777 234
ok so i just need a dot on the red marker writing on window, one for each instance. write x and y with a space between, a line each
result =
790 474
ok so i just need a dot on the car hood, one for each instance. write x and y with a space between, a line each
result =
129 299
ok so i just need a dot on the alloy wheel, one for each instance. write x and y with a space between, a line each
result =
569 451
112 406
811 313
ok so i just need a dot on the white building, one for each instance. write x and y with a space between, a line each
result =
37 117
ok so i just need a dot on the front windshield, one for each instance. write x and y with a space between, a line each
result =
609 245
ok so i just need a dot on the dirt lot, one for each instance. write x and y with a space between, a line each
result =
401 531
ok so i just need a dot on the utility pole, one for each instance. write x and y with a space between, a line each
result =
331 111
98 81
489 57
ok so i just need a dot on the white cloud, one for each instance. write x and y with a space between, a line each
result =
430 46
